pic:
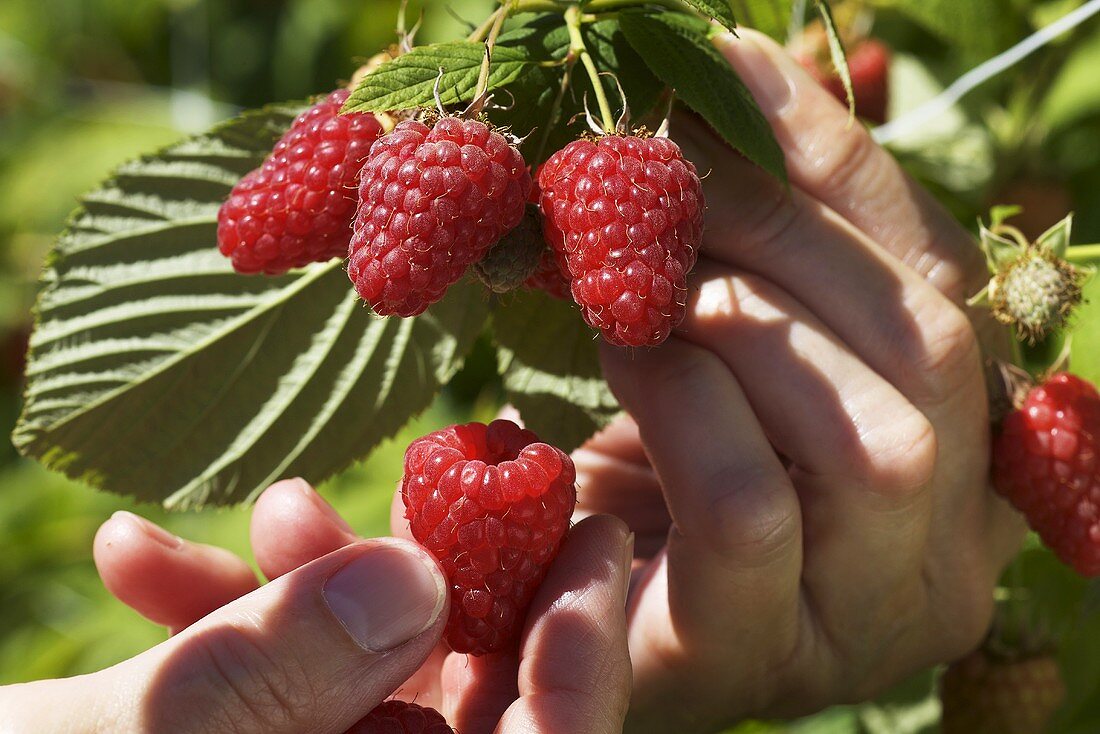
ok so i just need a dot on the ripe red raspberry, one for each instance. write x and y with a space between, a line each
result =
297 207
625 216
1046 461
492 504
399 717
433 200
985 694
869 66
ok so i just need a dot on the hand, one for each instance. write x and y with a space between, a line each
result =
812 507
343 623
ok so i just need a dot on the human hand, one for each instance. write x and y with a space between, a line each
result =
812 508
342 625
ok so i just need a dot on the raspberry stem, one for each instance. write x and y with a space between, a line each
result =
573 20
1083 254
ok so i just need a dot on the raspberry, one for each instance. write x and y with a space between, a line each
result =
869 66
492 504
433 200
516 257
297 207
1036 294
625 216
1045 461
985 694
398 717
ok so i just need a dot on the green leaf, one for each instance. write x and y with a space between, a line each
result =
718 10
410 80
679 52
546 38
551 369
977 27
1085 334
772 17
839 57
1073 95
157 371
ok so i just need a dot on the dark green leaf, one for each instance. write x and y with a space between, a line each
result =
718 10
977 27
551 369
157 371
410 80
546 38
679 52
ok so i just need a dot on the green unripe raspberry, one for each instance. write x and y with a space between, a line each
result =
516 257
1036 294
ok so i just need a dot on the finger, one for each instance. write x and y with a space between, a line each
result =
293 525
839 164
399 524
478 690
891 317
825 410
315 650
164 578
575 673
614 477
736 542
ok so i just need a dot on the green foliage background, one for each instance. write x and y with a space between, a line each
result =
87 84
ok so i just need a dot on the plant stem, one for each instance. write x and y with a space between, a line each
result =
1083 254
498 19
599 6
578 47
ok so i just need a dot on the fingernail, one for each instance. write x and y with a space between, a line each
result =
764 73
319 502
150 529
628 564
386 596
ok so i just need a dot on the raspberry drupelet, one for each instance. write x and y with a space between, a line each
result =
492 504
625 216
433 200
297 208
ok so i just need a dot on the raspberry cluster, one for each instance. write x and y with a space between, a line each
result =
434 200
492 504
297 207
1046 461
625 216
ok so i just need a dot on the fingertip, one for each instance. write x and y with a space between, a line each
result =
125 535
292 525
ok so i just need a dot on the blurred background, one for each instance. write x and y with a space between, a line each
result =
87 84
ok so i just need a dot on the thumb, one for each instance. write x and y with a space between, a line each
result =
314 650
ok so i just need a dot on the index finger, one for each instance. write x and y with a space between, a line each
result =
575 671
839 164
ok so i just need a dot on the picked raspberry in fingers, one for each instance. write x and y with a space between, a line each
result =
492 504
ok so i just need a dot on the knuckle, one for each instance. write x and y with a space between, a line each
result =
949 357
751 516
905 464
770 224
245 687
852 156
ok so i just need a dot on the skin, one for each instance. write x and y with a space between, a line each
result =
804 466
275 658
